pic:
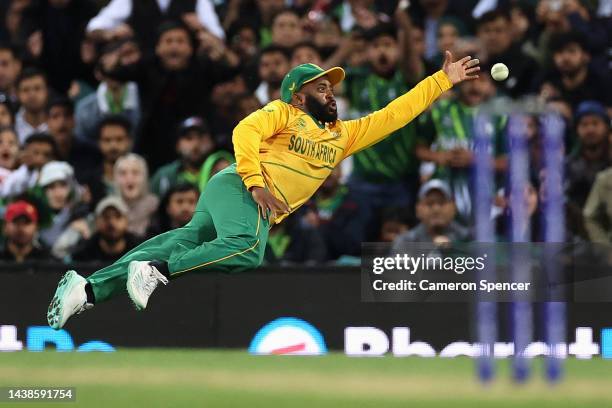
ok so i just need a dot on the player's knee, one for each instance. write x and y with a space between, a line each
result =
252 254
255 255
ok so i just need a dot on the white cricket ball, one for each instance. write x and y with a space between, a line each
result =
499 71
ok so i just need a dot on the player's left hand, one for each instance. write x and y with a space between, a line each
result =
465 69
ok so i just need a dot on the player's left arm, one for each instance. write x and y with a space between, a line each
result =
371 129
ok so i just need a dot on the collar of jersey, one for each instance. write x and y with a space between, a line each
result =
318 123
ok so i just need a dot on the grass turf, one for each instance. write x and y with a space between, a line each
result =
220 378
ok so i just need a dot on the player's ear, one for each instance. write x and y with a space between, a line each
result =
299 99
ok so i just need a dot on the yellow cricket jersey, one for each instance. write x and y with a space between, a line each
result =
286 150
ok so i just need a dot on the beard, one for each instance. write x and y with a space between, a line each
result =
320 111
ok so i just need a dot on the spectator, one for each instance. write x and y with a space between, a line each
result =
327 37
591 154
225 98
243 38
176 208
394 222
384 174
131 179
267 9
111 97
9 150
193 145
67 223
572 16
38 150
20 232
305 53
432 11
111 240
124 18
60 119
572 78
287 29
242 106
450 30
7 115
32 92
60 28
495 33
339 217
10 67
446 140
273 66
435 211
175 85
114 141
598 209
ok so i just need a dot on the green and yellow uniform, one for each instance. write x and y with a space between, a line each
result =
280 148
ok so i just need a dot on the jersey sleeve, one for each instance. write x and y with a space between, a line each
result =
248 135
370 129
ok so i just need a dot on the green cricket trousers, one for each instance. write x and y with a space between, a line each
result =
226 233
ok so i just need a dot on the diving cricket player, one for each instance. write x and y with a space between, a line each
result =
284 151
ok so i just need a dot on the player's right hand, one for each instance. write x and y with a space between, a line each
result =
266 201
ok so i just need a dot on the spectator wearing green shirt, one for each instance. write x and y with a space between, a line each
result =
194 144
386 173
446 140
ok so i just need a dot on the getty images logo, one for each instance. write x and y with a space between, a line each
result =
288 335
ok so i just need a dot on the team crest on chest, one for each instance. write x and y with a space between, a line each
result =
300 124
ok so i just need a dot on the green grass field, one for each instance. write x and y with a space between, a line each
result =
203 378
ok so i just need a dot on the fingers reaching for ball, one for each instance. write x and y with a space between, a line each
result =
465 69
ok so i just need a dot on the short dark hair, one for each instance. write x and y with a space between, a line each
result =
273 49
62 102
31 72
10 129
401 215
183 187
286 10
179 188
114 120
559 42
11 48
493 15
41 137
170 25
380 30
306 43
241 24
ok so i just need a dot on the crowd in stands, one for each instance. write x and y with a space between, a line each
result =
115 114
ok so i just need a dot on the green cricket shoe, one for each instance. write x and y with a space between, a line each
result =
69 299
142 280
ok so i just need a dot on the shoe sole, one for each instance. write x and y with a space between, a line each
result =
55 310
131 273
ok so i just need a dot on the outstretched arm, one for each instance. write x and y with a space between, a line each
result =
371 129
